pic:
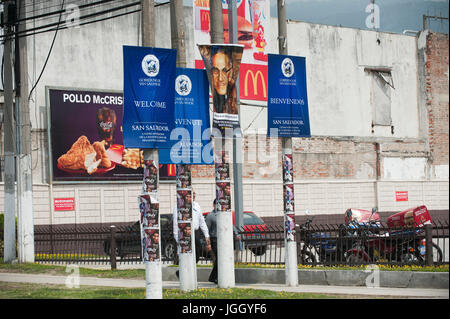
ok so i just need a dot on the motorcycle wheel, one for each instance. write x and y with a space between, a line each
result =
170 250
355 258
410 258
308 257
437 255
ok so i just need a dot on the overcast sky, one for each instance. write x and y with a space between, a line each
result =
394 15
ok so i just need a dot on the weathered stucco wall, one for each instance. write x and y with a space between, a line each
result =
348 162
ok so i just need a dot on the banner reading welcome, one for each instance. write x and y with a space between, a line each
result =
148 96
287 100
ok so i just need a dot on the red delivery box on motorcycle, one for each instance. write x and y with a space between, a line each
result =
361 216
411 217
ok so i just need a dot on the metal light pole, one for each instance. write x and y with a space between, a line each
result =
187 265
225 254
153 270
9 145
25 220
237 140
291 271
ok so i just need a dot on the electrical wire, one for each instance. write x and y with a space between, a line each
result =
81 18
84 23
62 11
84 17
48 55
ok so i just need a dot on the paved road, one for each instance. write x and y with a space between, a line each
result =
133 283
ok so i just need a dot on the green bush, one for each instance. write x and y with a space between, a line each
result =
2 231
2 222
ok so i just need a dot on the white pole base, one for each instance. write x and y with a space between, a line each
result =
187 270
291 264
153 280
225 251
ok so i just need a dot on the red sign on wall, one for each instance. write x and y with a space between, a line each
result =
401 196
64 204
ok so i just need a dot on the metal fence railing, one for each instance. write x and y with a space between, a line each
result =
317 244
373 244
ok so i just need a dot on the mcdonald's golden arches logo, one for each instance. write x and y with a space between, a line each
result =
254 78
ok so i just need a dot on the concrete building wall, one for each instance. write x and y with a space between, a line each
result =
348 162
106 203
434 78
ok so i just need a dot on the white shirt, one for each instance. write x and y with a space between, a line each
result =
198 221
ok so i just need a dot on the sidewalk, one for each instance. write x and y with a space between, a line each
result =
133 283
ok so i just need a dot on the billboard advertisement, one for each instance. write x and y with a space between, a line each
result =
253 21
86 138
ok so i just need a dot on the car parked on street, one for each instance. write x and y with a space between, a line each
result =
252 233
128 242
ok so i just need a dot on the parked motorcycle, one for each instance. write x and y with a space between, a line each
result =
402 244
410 224
321 246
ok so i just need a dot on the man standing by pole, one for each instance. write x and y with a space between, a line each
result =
290 245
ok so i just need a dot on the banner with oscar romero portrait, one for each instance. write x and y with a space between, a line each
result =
222 63
253 33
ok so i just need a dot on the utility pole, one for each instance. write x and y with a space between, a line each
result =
25 220
153 270
9 140
216 21
187 264
291 271
178 31
225 253
237 140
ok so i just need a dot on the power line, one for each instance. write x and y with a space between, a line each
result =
85 23
18 33
22 33
35 8
62 11
48 55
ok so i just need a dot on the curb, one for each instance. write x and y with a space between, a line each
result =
357 278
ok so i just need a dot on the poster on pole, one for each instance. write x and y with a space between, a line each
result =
223 181
287 101
150 230
253 23
191 140
288 197
222 63
148 96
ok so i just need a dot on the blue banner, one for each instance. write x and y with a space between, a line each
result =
148 96
191 138
287 100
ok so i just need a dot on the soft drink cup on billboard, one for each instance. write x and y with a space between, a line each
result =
106 125
258 16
